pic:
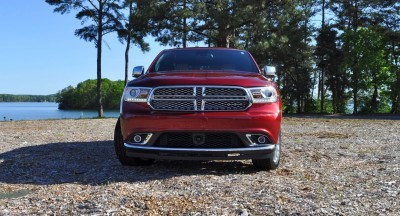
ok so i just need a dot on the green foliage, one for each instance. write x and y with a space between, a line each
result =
84 95
366 66
175 22
328 106
134 29
354 55
27 98
382 105
391 33
379 78
104 16
329 57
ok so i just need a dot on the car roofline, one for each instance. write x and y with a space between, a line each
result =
205 48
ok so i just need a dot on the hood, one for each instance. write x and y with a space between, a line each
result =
225 78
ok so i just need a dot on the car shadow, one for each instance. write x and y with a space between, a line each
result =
95 163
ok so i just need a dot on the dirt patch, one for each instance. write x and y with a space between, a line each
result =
330 135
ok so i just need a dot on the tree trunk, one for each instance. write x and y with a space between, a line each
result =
323 15
99 43
222 37
334 101
396 88
356 72
128 42
314 81
323 67
298 104
222 40
322 89
374 100
354 84
355 90
319 86
184 37
343 101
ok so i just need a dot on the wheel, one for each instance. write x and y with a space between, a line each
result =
272 162
120 151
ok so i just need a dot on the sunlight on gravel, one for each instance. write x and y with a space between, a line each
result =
329 166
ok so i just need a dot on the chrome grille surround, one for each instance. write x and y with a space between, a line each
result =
199 98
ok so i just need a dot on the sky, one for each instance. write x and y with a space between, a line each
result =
40 55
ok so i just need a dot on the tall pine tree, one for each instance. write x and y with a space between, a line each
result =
103 17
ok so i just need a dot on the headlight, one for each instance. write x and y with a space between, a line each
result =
264 94
135 94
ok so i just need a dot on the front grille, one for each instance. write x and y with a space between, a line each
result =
188 140
200 98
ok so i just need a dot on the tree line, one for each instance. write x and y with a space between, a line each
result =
27 98
329 53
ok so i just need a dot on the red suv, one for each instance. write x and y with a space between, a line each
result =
200 104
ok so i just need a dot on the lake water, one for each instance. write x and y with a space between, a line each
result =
47 110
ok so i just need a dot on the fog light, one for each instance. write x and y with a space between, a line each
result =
261 139
255 139
137 138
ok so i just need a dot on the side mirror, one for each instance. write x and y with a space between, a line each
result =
137 71
270 71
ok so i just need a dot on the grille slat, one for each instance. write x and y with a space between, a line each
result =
174 105
211 140
225 91
174 91
200 98
225 105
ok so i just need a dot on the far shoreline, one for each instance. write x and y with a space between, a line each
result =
27 111
305 117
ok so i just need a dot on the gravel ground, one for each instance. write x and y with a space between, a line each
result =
329 165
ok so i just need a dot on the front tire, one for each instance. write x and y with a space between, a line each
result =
272 162
120 151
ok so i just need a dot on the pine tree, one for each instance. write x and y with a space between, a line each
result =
103 16
133 31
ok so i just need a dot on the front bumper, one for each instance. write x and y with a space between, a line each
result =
259 152
263 119
259 119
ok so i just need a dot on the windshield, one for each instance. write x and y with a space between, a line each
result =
202 59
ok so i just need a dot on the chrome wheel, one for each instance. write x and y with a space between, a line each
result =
277 152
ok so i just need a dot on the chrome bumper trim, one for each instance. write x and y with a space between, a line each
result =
245 149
